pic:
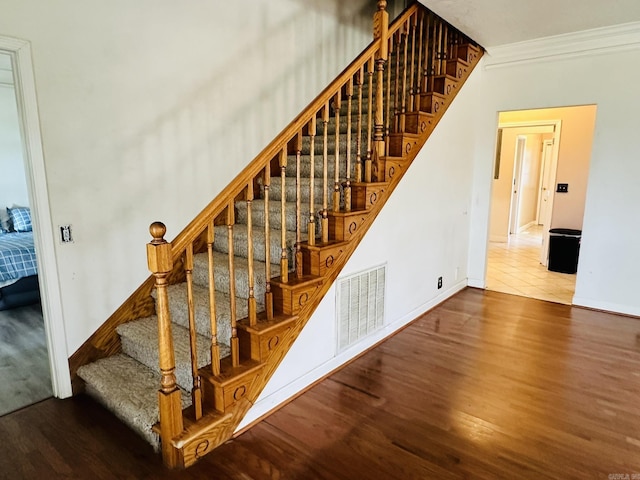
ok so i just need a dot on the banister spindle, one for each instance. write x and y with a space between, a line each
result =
160 263
235 352
298 254
380 34
196 391
403 98
367 162
440 49
251 301
325 175
336 158
268 296
412 70
420 61
284 261
360 83
434 53
347 182
215 346
396 83
387 119
311 228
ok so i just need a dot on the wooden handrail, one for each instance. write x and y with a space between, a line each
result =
218 204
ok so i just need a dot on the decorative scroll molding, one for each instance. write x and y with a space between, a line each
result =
597 41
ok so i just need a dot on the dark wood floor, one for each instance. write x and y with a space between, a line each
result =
25 377
487 385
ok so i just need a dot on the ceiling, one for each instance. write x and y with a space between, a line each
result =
500 22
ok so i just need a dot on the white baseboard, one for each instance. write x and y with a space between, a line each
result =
265 405
607 307
476 282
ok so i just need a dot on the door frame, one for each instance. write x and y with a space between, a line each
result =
557 131
44 238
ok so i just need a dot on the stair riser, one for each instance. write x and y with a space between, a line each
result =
241 271
275 222
240 243
180 314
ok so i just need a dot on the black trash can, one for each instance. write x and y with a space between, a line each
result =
564 247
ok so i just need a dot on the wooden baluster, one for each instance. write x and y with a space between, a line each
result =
396 89
160 262
427 53
311 228
403 94
268 296
439 49
298 254
325 179
420 62
336 158
367 162
284 261
235 347
380 34
445 47
412 70
215 346
388 117
251 301
359 127
196 392
347 183
434 53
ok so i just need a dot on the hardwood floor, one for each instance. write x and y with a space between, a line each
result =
487 386
25 377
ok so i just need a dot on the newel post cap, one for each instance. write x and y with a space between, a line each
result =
159 257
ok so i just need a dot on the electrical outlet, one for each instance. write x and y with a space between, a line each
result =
439 282
65 234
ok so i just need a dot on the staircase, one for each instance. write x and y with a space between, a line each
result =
183 360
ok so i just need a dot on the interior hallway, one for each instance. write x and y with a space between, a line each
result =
515 268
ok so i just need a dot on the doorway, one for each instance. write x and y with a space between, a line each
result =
25 374
19 53
537 149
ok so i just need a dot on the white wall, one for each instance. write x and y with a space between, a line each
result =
421 233
609 257
13 185
149 108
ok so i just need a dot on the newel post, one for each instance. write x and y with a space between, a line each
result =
380 35
160 262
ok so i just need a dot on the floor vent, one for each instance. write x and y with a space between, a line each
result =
360 305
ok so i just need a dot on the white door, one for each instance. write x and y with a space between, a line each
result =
547 183
515 193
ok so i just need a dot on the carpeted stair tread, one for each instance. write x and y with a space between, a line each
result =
139 340
275 189
275 221
240 246
180 313
241 268
331 145
130 390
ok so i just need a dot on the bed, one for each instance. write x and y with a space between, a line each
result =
18 265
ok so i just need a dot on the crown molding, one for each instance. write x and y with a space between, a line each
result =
570 45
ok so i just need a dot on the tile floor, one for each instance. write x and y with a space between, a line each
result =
515 268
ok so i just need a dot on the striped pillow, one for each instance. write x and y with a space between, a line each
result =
20 218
